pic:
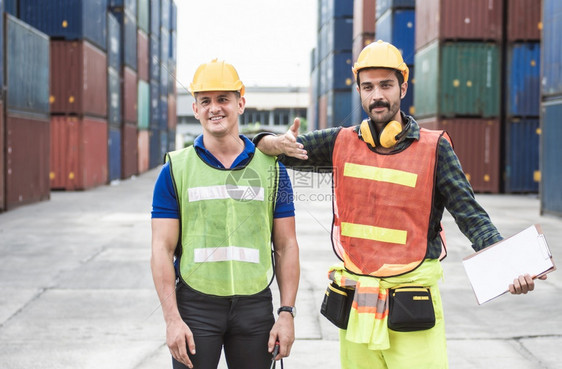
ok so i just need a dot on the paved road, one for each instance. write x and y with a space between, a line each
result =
76 289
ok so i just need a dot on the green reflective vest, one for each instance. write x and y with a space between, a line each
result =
226 218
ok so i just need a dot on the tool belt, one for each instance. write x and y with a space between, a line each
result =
410 309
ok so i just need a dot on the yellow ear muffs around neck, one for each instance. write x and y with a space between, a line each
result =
366 133
388 135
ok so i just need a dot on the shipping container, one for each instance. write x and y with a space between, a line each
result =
363 17
155 18
173 16
143 15
336 36
164 46
114 153
172 113
27 160
397 27
113 97
458 20
78 78
338 74
27 68
143 151
551 57
129 151
524 20
172 77
477 144
331 9
79 152
338 108
163 143
130 99
113 42
551 157
523 79
154 104
143 56
2 61
11 7
129 6
69 20
522 155
173 54
2 157
163 112
128 39
154 58
171 140
164 78
384 5
458 79
143 105
165 15
323 112
155 150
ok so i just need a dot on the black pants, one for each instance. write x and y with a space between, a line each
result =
240 324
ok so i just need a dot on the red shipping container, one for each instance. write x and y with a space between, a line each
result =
27 160
2 181
524 20
130 94
143 56
172 113
363 17
477 144
78 152
78 79
129 150
143 151
458 20
360 42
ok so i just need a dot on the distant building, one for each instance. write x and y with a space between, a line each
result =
267 109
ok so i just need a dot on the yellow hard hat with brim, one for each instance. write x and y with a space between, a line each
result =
216 76
381 54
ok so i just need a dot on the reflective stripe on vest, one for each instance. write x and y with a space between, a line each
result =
382 204
226 220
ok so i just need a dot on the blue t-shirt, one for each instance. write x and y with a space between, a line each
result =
164 204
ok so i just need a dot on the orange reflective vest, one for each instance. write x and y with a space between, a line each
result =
382 204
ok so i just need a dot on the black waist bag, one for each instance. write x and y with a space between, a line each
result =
410 309
337 305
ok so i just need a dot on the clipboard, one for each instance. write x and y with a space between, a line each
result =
494 268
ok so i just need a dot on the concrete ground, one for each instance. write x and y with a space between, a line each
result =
76 288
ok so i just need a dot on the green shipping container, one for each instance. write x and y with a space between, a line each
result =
143 18
459 79
143 104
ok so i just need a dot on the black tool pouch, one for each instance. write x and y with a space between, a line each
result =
337 304
410 309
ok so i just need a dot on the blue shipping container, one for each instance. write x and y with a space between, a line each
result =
164 112
339 108
68 19
154 104
129 6
11 7
114 153
173 16
128 39
330 9
523 80
27 68
154 59
172 46
551 157
164 80
113 42
155 150
383 5
339 73
163 143
550 45
164 45
340 35
398 28
113 97
522 155
155 18
165 14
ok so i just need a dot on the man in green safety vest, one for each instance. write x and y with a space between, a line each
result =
218 206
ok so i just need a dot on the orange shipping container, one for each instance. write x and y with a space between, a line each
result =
129 150
143 150
477 144
363 17
458 20
27 160
78 152
130 95
143 56
78 79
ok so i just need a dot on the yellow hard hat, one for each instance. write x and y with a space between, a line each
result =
381 54
216 76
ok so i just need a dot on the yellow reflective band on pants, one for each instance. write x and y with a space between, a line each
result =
368 343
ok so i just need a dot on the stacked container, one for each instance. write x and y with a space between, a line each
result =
154 145
363 35
114 93
143 94
171 93
79 100
334 63
396 25
551 109
522 96
25 131
458 81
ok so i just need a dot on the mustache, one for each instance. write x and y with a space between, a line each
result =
379 104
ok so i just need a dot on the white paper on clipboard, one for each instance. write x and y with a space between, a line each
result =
494 268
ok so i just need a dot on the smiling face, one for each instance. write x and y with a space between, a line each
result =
218 111
380 94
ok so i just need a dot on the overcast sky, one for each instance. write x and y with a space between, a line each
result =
268 41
